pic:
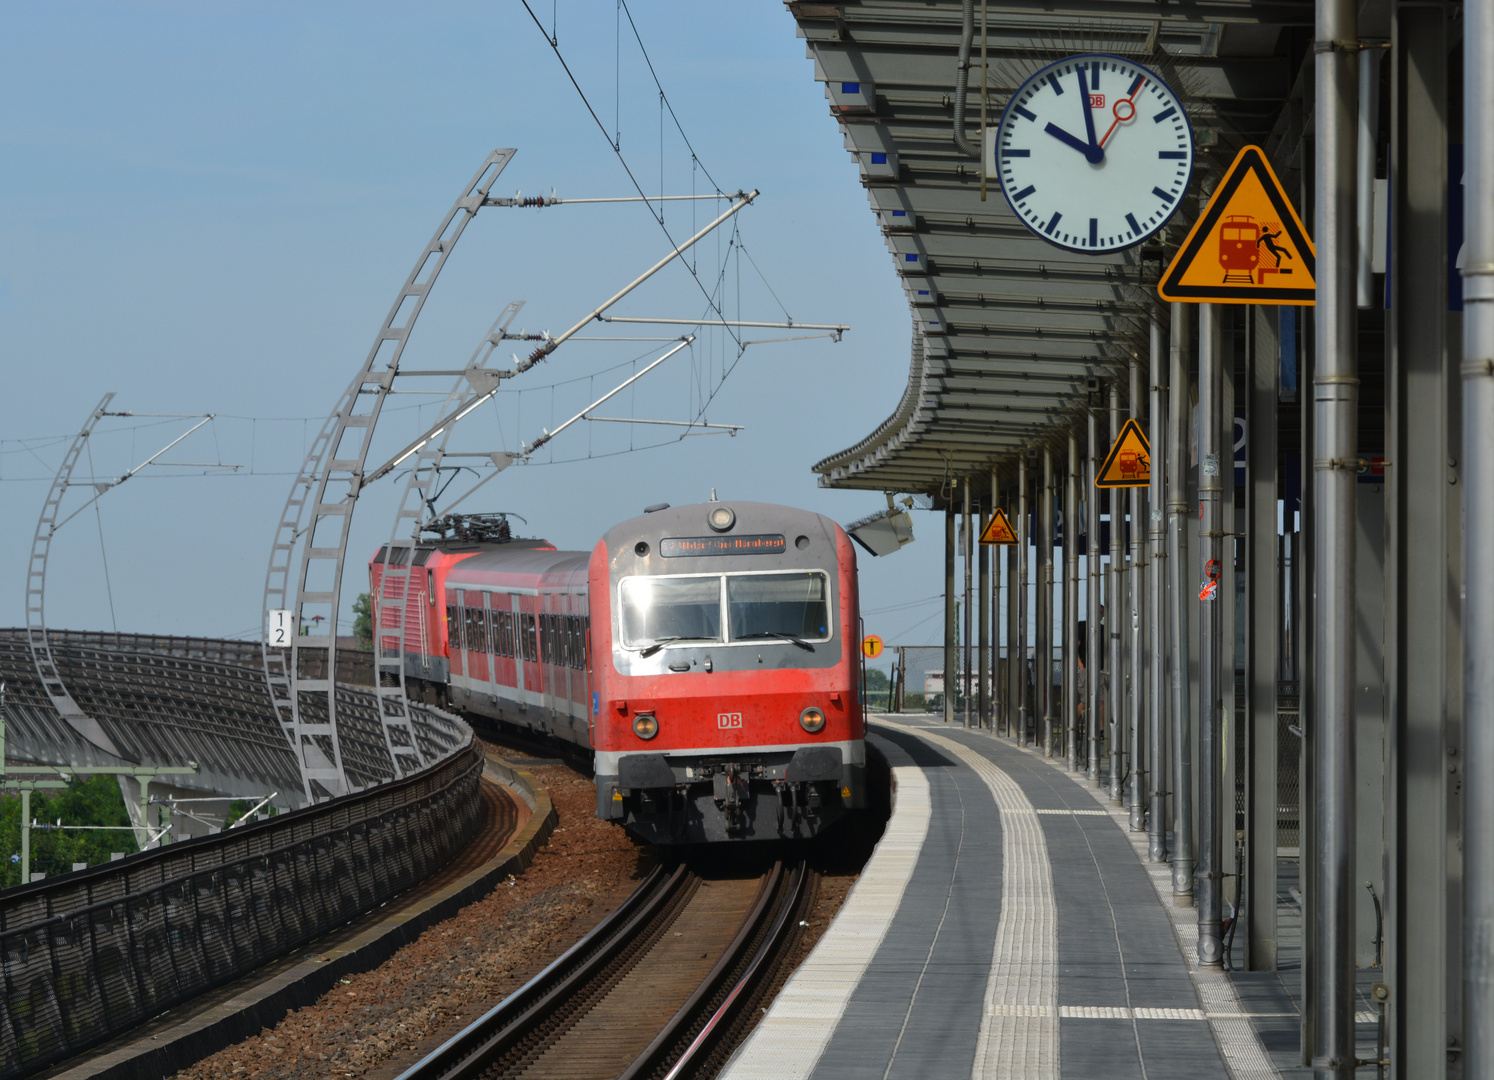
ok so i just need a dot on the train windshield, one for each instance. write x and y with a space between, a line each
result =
694 609
658 609
769 605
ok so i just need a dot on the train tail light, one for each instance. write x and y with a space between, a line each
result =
812 720
645 726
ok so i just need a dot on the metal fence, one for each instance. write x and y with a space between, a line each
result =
93 954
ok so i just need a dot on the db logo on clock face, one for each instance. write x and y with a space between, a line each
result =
1093 152
728 720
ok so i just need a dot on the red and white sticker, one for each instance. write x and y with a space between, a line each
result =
728 720
1209 591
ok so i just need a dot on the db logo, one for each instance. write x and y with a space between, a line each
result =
728 720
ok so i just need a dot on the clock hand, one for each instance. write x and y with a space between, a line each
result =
1094 153
1130 110
1068 140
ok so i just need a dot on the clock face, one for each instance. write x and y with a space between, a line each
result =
1093 153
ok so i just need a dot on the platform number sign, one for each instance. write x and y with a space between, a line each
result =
1093 153
279 630
871 646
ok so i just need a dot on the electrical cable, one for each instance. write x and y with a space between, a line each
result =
103 554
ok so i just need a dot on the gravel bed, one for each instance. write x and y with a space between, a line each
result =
377 1023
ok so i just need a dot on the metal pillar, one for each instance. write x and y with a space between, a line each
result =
1478 540
1210 693
1424 576
26 835
1114 590
969 562
1156 623
1262 641
1093 643
1024 706
999 698
1073 742
1043 663
1335 470
983 620
1179 580
951 624
1136 537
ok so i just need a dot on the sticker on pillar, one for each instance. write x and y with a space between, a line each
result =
871 646
998 530
1209 591
1247 247
1129 463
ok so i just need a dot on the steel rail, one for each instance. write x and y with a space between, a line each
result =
469 1053
657 1053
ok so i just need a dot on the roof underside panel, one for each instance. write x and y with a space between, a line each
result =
1010 332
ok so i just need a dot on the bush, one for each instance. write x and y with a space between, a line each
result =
95 801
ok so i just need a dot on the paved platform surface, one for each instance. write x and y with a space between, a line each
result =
1005 927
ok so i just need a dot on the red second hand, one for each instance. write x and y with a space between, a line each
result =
1115 110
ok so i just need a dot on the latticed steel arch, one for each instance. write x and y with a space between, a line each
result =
310 548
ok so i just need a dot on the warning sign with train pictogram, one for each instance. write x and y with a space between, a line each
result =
1248 246
1129 463
998 530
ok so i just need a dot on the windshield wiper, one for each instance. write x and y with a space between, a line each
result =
806 646
659 643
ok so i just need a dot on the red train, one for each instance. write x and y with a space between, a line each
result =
708 655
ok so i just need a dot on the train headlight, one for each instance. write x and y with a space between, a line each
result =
721 518
812 720
645 726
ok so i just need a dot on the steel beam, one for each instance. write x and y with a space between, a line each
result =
1211 460
951 624
983 592
1178 583
969 545
1073 744
1478 539
1335 471
1024 705
1262 642
1156 621
1093 643
1043 668
1114 593
1136 597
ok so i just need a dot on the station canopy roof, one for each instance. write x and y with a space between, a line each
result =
1008 330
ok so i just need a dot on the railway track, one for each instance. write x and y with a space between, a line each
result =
656 990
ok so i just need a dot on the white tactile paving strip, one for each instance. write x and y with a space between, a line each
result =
1240 1045
787 1044
1019 1026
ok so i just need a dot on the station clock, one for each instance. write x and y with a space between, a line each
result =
1093 152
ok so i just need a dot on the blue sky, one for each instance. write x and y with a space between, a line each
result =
209 207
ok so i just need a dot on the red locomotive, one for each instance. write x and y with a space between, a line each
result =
707 654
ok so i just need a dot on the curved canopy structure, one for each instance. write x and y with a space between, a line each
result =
1008 329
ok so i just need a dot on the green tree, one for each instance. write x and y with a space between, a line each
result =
876 679
95 801
363 620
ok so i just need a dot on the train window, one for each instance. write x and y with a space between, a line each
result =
769 605
585 642
530 635
573 639
453 626
658 609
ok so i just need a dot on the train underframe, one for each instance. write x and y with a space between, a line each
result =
779 795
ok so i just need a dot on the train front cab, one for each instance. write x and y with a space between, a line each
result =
726 678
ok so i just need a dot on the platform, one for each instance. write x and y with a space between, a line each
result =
1007 926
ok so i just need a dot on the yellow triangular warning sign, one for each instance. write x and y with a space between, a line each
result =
1129 463
1248 246
998 530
